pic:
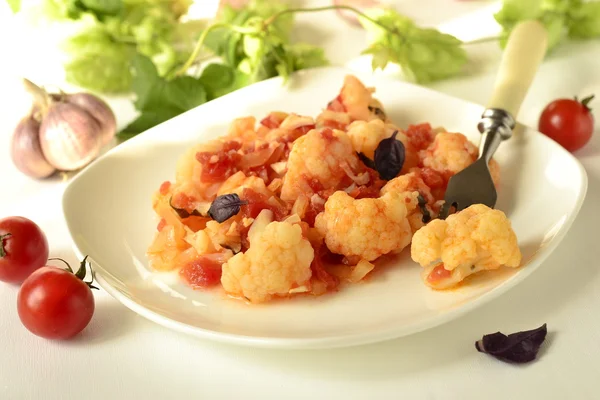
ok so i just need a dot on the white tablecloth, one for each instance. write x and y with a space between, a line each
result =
123 356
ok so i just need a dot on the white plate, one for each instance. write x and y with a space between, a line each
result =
108 211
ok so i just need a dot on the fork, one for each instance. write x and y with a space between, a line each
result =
522 56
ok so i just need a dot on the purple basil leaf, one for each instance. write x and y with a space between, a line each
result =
422 205
225 207
366 160
389 157
520 347
184 213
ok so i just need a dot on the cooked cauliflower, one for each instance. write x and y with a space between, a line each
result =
411 186
365 228
357 100
333 119
474 239
409 183
453 152
277 261
322 156
237 182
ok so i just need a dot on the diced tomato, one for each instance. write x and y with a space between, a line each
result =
433 178
161 224
274 119
164 188
419 136
334 125
311 213
319 270
439 273
258 202
314 184
327 134
365 192
231 145
244 237
195 223
201 273
337 105
302 130
222 168
183 201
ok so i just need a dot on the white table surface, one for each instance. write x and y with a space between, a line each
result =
123 356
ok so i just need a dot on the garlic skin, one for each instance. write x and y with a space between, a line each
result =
70 137
26 151
98 109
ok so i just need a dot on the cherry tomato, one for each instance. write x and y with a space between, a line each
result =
55 303
569 122
23 249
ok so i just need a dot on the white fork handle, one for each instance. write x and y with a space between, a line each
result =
522 56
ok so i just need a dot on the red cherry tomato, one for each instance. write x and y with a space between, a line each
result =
568 122
55 303
23 249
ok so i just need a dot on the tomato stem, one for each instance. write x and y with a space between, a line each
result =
66 263
587 101
2 237
81 272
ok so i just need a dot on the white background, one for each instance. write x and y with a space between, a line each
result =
123 356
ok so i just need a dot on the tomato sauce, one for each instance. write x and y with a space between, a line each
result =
201 273
164 188
439 273
435 180
184 202
335 125
419 136
337 105
224 166
328 135
318 268
274 119
161 224
258 202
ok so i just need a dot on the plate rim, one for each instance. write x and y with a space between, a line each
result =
349 340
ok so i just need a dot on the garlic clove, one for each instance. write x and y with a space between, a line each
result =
26 151
98 109
70 137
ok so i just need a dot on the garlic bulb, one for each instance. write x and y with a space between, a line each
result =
70 137
63 132
98 109
26 151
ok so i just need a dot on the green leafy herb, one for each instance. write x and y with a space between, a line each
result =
562 18
217 79
424 55
15 5
159 99
98 63
584 21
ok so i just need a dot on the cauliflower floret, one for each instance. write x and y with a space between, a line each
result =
366 135
277 261
411 186
357 100
237 182
474 239
333 119
409 183
453 152
321 157
366 228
